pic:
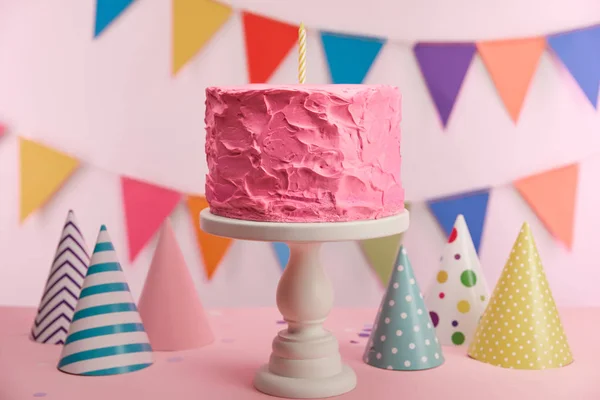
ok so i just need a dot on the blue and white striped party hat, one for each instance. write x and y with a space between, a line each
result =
106 336
63 285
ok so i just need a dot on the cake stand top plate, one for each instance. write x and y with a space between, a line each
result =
303 231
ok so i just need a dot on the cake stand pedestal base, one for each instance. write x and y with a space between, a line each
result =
305 362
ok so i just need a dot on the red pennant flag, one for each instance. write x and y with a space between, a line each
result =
511 64
146 207
267 43
552 196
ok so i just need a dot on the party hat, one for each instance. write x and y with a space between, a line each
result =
107 336
459 295
521 327
403 337
169 306
63 285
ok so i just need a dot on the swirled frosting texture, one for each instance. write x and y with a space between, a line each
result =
303 153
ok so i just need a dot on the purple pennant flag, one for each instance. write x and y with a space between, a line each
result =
444 66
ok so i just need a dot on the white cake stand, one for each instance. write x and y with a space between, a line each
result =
305 362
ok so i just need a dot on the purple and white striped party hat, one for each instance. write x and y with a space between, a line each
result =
107 336
63 285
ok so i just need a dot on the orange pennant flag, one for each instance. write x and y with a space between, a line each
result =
212 248
268 42
552 196
511 64
43 171
194 23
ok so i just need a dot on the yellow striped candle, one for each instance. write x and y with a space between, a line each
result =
302 54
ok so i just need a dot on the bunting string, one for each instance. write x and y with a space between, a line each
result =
510 63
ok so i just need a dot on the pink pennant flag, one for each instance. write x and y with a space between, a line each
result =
146 207
2 129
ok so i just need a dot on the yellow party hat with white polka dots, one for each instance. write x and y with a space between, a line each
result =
520 327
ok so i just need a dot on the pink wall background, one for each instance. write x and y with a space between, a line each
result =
113 103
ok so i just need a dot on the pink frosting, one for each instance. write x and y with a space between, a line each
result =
303 153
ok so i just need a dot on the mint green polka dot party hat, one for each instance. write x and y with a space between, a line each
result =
403 337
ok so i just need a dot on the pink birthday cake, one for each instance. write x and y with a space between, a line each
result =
303 153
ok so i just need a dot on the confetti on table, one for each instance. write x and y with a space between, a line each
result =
175 359
281 322
39 394
354 342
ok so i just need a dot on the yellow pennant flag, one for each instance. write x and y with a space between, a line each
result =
212 248
43 171
194 23
381 254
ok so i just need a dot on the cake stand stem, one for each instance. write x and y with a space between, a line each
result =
305 362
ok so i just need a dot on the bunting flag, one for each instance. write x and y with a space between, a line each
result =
212 248
107 11
268 42
580 52
556 211
146 207
444 67
473 206
511 64
381 253
282 251
2 129
194 23
43 171
350 57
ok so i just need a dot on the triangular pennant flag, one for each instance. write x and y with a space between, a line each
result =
403 337
2 129
63 285
511 64
282 251
107 11
169 305
212 248
459 295
521 326
43 171
146 207
444 67
472 205
268 42
580 52
194 23
106 336
381 253
557 212
350 57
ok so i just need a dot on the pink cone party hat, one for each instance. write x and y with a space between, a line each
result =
106 336
459 295
169 306
63 285
521 327
403 337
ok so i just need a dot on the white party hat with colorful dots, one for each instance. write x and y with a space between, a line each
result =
106 336
403 337
521 326
458 297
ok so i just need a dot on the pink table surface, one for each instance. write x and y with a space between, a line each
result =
225 369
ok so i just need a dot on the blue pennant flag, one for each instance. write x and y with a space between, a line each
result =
350 57
107 11
580 52
472 205
282 251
